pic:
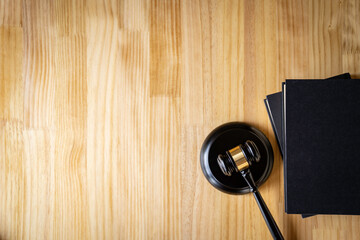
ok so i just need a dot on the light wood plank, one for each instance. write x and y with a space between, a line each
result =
102 118
165 47
11 13
11 77
12 180
135 184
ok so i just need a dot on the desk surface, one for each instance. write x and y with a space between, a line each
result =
104 106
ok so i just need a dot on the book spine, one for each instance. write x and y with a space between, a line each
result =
283 112
273 124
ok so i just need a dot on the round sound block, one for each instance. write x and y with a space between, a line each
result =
226 137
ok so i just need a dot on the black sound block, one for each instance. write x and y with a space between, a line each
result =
226 137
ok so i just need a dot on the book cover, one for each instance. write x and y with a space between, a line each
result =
322 135
274 105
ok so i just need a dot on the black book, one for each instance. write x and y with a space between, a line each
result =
339 77
322 139
274 107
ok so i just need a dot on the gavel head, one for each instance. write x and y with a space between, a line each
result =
238 158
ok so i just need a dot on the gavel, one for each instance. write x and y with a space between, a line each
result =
239 159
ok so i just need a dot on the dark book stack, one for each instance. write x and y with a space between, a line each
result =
317 127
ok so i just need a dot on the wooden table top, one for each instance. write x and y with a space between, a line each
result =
104 106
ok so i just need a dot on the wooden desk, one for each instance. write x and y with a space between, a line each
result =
104 106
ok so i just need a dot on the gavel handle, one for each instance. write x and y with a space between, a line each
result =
270 222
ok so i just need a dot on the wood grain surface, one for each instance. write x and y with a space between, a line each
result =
104 106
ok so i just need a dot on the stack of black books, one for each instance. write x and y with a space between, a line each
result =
317 127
